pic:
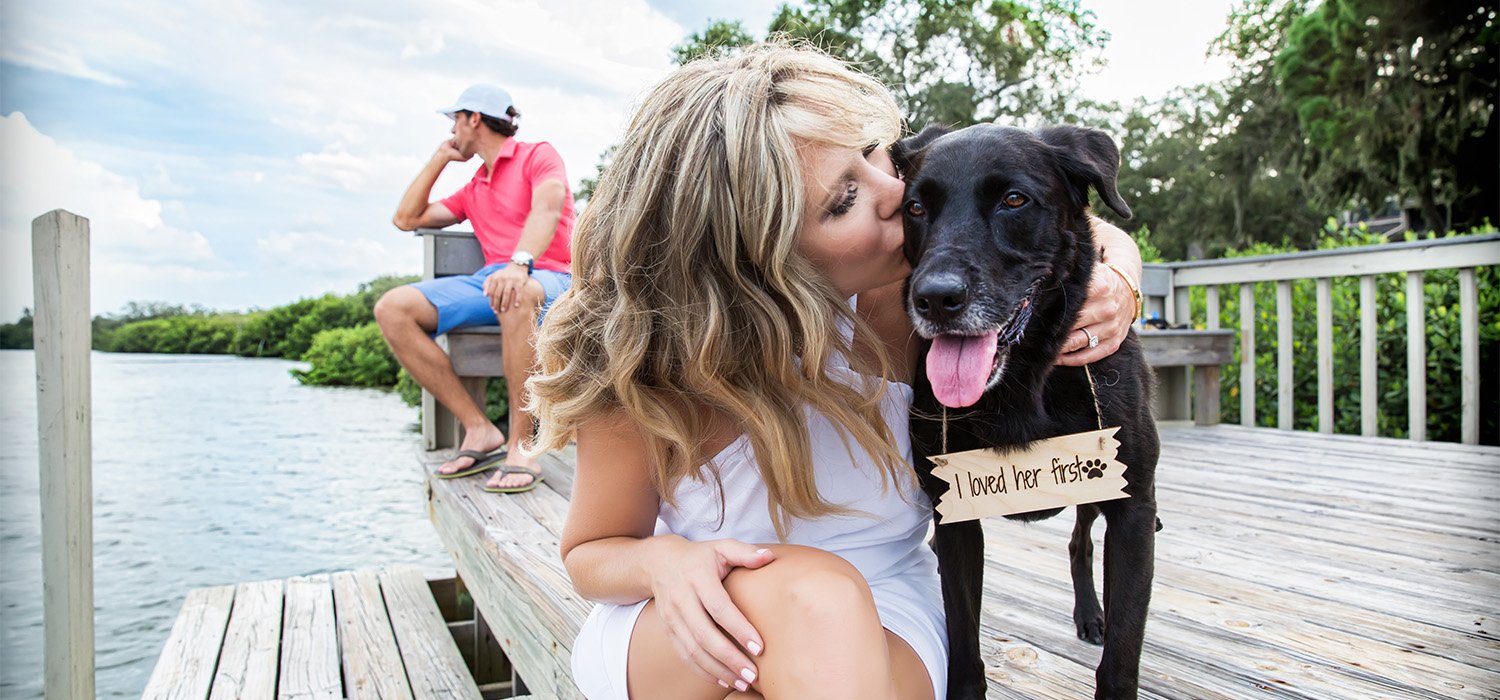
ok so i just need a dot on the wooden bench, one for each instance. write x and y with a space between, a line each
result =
1200 353
351 634
475 352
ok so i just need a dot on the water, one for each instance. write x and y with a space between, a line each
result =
207 470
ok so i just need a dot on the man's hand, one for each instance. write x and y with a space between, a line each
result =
448 152
503 287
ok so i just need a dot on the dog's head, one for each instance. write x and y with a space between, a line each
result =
996 229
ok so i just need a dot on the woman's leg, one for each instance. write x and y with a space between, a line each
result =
822 633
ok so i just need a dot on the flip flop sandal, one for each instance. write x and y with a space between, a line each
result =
536 478
482 461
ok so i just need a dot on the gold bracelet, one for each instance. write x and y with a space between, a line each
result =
1135 289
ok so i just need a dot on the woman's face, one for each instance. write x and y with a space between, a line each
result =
852 227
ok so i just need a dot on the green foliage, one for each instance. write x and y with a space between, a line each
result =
18 335
718 35
1443 365
1393 97
949 62
287 331
356 356
210 335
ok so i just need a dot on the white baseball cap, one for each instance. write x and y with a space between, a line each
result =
488 100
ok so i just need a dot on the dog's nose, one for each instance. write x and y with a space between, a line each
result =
940 297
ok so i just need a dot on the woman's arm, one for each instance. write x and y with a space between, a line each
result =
1111 307
611 554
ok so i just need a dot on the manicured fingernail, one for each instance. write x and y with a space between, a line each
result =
722 684
748 675
740 686
754 647
762 551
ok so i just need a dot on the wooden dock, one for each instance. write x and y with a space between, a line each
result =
1292 565
352 634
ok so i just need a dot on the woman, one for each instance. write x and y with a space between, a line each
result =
734 361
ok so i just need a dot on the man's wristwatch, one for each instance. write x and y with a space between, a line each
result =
524 258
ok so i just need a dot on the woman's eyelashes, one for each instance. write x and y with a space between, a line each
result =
846 202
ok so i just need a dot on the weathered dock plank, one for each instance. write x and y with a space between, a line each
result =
309 643
248 661
433 663
367 646
187 674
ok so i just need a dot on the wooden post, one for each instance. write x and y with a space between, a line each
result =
1416 357
1325 355
1284 376
1367 366
60 274
1468 309
1247 354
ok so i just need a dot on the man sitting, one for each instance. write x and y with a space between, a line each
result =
521 210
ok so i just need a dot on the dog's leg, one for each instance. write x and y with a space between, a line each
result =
1088 618
1129 564
960 553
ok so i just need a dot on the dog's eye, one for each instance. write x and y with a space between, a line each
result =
1015 200
915 209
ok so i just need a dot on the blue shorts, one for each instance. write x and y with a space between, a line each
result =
461 302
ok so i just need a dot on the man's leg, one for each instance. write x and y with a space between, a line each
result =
406 318
518 343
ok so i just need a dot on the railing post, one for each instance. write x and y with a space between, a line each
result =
1247 353
60 273
1284 375
1416 356
1368 401
1325 355
1468 309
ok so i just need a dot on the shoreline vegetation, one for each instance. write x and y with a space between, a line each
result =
336 335
339 340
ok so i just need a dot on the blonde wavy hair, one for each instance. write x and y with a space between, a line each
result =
690 299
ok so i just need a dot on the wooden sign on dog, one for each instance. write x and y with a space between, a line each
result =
1063 471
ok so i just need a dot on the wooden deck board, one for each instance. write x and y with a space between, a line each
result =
186 675
309 643
433 663
247 663
367 645
1292 565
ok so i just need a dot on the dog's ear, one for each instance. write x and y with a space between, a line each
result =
1089 157
908 152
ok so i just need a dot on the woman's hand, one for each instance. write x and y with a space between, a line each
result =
688 586
1111 306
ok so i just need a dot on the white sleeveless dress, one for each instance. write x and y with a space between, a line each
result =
887 544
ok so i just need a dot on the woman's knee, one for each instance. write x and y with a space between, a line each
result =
804 584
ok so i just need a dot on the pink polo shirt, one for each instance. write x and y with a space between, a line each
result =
497 200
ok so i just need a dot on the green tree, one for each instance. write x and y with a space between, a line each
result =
18 335
1397 97
953 62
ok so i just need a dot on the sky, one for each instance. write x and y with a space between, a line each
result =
245 153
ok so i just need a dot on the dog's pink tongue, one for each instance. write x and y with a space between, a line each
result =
959 366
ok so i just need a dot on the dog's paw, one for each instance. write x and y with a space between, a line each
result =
1091 630
1094 468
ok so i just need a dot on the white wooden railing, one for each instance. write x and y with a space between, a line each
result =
1168 286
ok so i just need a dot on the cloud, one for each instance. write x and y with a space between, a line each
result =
327 254
133 251
27 53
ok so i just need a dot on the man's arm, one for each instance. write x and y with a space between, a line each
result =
503 285
415 211
541 223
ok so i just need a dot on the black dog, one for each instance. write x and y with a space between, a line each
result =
998 236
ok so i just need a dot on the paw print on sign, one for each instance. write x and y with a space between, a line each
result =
1094 468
